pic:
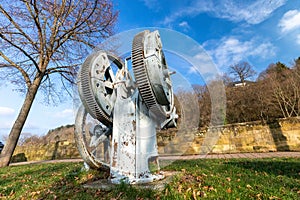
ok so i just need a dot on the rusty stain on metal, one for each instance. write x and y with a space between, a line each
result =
134 124
132 138
114 163
125 143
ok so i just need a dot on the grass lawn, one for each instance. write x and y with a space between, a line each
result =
272 178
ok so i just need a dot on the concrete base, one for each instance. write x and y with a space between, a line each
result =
106 185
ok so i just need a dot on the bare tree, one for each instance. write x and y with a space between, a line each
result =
212 102
285 84
204 101
43 42
242 71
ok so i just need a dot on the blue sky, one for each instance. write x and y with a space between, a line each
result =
257 31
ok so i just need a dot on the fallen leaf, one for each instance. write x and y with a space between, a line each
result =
202 194
166 192
189 189
12 193
228 179
211 188
274 197
35 193
179 188
229 190
199 178
258 196
195 194
90 176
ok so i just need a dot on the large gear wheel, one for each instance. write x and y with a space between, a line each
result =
93 127
151 73
95 84
117 108
93 140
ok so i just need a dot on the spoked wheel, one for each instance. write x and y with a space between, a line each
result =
96 80
93 128
151 74
93 140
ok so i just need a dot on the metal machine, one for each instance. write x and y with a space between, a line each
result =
116 125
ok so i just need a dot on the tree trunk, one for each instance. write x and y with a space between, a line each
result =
16 130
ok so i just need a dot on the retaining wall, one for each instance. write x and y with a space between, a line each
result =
281 135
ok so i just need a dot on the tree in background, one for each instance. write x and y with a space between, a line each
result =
285 88
212 102
242 71
43 43
275 94
296 69
204 101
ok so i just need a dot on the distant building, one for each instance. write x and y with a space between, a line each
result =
240 84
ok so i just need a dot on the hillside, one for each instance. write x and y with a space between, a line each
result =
58 143
62 133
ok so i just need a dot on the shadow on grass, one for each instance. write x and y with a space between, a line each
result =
70 186
16 180
277 178
246 177
271 166
60 181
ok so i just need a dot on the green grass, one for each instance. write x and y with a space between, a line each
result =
277 178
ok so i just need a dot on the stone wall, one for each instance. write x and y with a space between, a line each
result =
51 151
281 135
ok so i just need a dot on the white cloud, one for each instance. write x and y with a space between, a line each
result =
6 111
253 12
204 64
190 10
151 4
231 50
184 25
290 21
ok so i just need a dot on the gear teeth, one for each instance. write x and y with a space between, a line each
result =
141 76
87 93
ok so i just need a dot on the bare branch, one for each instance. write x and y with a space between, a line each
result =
35 17
15 24
12 64
20 49
40 39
